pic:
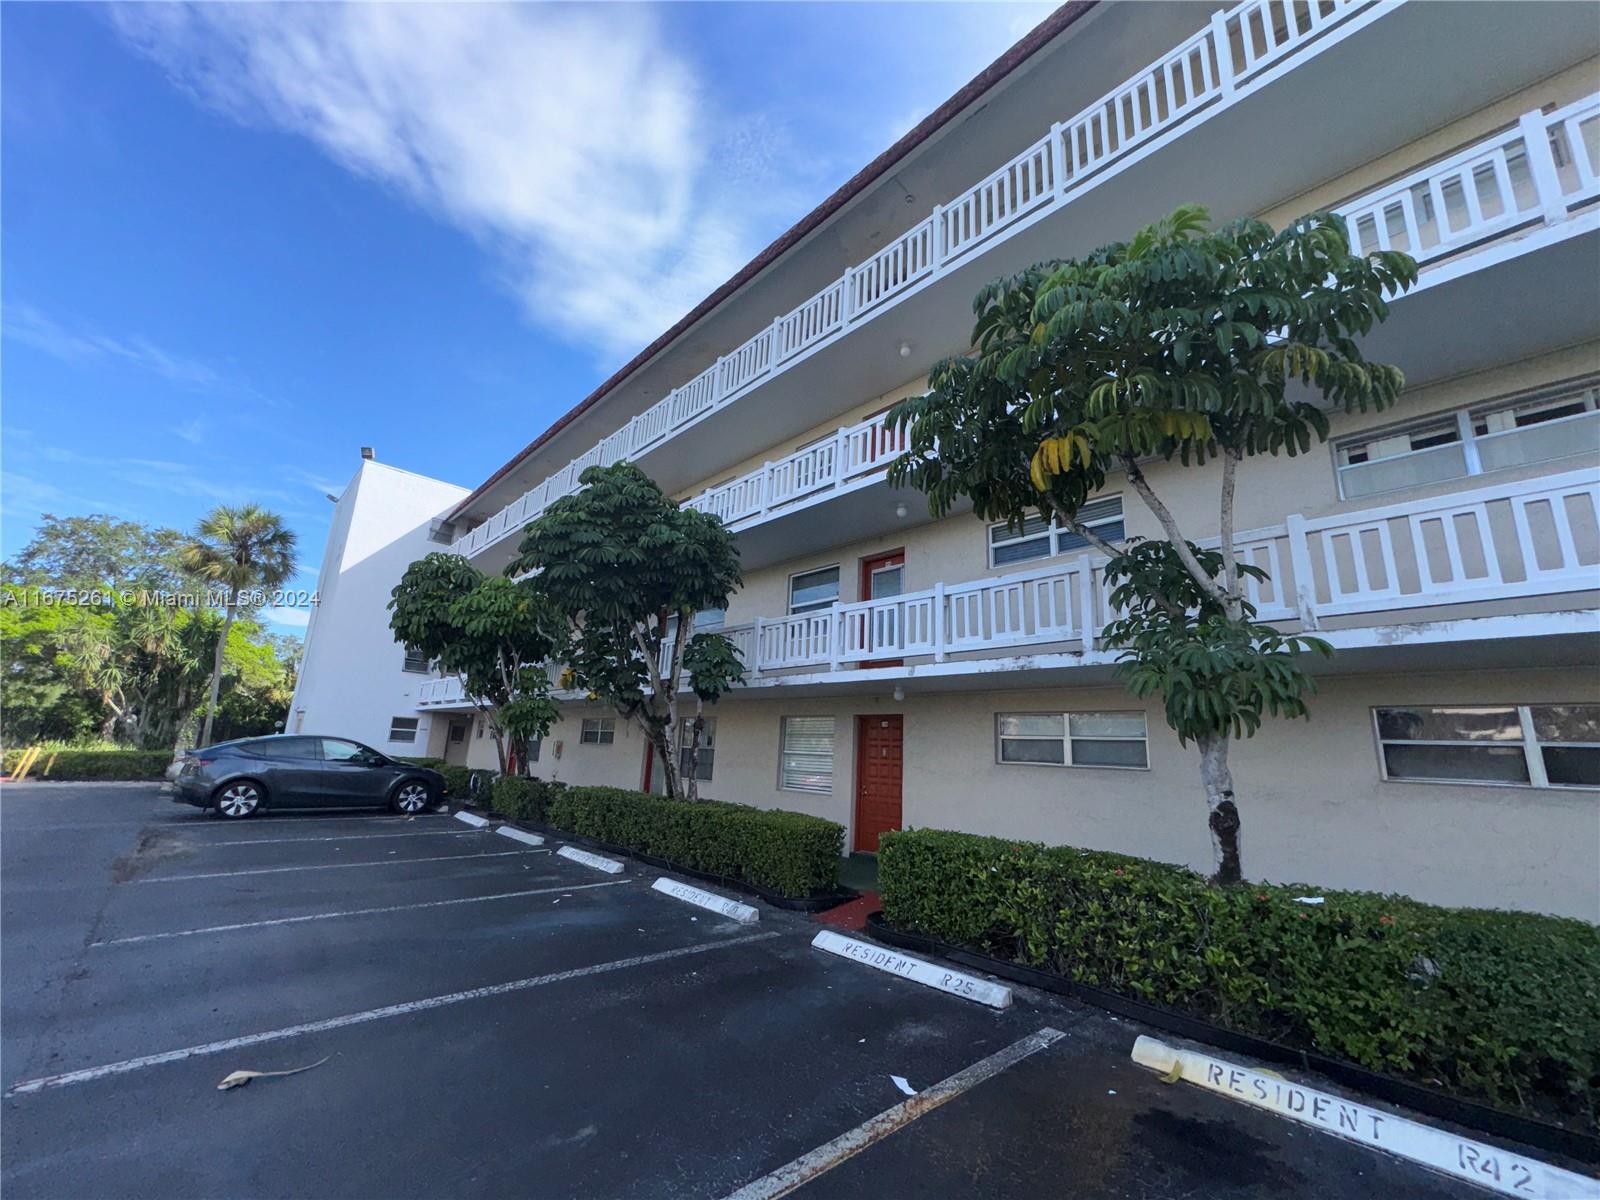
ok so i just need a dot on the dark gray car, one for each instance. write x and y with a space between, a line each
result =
298 771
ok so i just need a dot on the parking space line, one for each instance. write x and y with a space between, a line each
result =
353 912
829 1155
386 862
89 1074
342 837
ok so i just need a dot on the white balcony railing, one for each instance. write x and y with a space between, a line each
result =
1535 537
1199 77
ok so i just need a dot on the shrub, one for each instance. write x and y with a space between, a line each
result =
1499 1005
93 764
786 852
438 764
522 799
456 781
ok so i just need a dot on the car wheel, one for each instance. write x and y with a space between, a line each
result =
410 797
238 800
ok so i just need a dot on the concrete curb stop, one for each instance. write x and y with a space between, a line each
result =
968 987
609 865
721 905
531 839
1449 1153
470 818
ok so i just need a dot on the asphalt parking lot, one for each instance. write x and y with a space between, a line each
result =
497 1020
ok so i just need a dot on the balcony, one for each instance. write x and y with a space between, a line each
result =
1355 577
1519 193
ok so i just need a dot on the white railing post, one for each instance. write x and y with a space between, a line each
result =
936 232
938 622
1223 45
1090 633
847 304
1305 582
766 485
777 344
1058 157
835 635
759 640
1542 167
841 445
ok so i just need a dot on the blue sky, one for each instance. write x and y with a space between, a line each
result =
241 241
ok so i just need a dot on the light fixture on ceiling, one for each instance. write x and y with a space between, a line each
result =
905 349
900 510
899 693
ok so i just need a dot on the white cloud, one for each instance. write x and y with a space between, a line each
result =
192 432
572 141
28 325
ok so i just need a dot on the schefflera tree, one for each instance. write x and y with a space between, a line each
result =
628 570
1186 346
493 633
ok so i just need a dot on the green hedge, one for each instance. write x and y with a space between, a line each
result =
438 764
787 852
92 764
522 799
1504 1006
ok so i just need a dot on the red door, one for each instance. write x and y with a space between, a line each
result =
879 758
882 577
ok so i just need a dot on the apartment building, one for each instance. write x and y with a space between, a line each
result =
906 671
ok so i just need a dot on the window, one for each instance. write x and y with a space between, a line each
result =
811 590
401 729
1533 427
458 733
282 747
709 620
1520 745
416 662
805 759
598 731
1078 739
1040 539
708 748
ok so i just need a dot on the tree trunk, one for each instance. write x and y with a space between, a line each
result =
1224 818
691 783
216 672
669 769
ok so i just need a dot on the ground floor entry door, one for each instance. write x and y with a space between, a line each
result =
880 758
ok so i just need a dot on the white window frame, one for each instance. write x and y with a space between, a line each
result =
1066 737
603 729
411 737
818 606
783 752
1585 389
1052 533
709 744
1530 744
426 668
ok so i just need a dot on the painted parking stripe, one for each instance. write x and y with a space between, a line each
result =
340 837
89 1074
471 818
825 1157
1487 1166
609 865
743 913
518 835
968 987
353 912
384 862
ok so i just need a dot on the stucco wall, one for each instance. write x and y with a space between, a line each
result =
352 683
1314 807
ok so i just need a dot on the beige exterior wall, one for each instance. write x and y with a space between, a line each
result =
1314 806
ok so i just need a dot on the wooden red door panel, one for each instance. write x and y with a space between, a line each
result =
880 762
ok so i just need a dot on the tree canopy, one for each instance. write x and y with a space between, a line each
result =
628 570
495 634
1181 346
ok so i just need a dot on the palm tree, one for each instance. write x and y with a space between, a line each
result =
237 549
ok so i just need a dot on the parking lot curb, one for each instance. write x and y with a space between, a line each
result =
609 865
968 987
1449 1153
732 909
530 839
470 818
